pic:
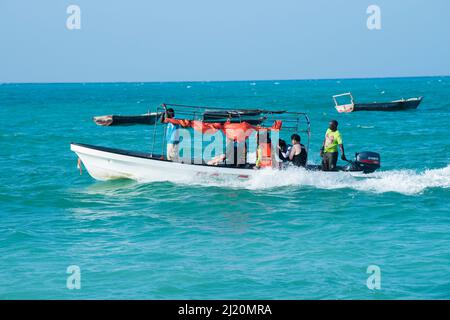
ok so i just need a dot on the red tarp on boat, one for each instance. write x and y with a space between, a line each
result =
233 131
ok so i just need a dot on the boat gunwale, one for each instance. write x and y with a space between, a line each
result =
149 156
143 155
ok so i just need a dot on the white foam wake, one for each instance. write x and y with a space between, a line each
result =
407 182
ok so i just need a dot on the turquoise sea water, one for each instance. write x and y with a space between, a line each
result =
291 236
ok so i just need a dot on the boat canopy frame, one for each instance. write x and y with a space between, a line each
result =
348 94
297 122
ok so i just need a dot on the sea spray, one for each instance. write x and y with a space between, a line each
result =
407 182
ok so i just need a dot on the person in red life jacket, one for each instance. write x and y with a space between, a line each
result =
264 151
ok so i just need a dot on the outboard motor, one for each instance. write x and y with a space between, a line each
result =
367 161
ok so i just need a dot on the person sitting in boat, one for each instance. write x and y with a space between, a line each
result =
172 136
217 160
220 159
298 154
264 151
236 154
283 152
329 150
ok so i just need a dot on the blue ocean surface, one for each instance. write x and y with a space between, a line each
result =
292 235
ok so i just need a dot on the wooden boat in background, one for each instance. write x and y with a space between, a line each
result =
397 105
116 120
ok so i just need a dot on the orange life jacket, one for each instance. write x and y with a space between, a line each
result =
266 155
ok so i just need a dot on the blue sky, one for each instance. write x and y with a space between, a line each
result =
195 40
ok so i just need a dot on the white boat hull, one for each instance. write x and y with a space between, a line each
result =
110 164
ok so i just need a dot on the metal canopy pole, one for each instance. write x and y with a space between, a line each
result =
164 133
155 129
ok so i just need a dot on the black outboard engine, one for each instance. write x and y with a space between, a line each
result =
367 161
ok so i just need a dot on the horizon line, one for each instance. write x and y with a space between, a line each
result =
243 80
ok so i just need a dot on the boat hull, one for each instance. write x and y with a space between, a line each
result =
388 106
115 120
399 105
110 164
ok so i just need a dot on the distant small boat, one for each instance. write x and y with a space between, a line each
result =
116 120
397 105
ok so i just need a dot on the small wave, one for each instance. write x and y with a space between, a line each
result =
408 182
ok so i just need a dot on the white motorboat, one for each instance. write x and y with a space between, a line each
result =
109 164
105 163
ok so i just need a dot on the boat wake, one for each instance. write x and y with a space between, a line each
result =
408 182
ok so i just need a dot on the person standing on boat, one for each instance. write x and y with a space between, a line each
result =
172 136
329 150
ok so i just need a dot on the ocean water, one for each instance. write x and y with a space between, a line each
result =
288 235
